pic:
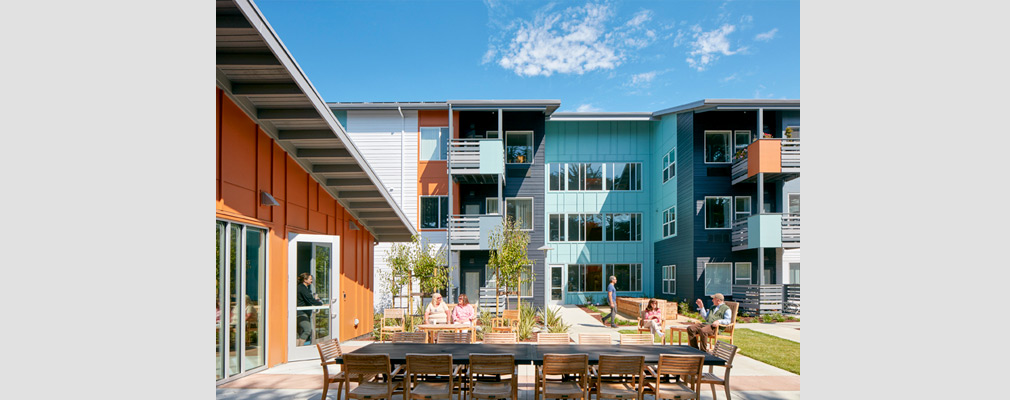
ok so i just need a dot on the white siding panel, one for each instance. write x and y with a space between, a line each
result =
389 144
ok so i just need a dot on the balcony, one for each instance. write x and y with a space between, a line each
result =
472 231
778 159
476 160
766 230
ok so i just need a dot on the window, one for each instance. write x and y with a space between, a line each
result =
718 278
717 214
741 207
624 176
434 143
629 276
670 165
594 227
241 279
593 172
741 139
794 203
624 227
670 222
717 145
594 176
434 212
556 171
526 281
491 135
521 210
576 228
794 273
519 147
670 279
575 172
556 227
743 274
491 205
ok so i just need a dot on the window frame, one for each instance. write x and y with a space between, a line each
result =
420 211
749 211
487 204
532 153
533 212
634 219
670 211
789 201
729 144
672 280
670 165
705 281
562 222
738 146
443 140
729 224
736 276
562 177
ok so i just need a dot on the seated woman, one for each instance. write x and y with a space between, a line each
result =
652 317
463 312
436 312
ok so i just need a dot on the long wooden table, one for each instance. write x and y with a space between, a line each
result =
528 353
431 329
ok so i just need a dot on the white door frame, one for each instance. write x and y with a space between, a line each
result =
309 352
550 277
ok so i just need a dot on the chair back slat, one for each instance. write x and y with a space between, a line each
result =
553 338
512 315
637 338
733 306
502 338
594 338
453 337
328 350
409 337
674 364
492 364
439 364
614 364
392 313
725 351
560 364
366 364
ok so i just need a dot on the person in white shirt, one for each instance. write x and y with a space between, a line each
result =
720 314
437 312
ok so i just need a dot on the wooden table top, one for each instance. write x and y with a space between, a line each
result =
528 353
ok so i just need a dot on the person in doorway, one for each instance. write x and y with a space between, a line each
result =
612 300
720 314
437 312
652 317
306 298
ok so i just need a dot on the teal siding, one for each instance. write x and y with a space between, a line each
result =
664 196
341 117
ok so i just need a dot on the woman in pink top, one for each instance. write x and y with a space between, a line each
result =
463 312
652 317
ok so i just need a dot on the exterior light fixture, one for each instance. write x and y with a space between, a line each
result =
352 226
267 200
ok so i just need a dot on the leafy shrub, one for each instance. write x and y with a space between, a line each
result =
527 320
592 308
553 322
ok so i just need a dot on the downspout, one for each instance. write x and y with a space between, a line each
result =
403 131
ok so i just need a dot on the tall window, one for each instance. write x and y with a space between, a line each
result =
718 278
519 147
575 173
741 207
741 140
794 203
241 291
576 228
594 227
670 165
521 210
594 176
434 143
526 281
491 205
670 279
742 275
557 176
629 276
624 176
670 222
717 146
794 273
718 212
556 230
434 212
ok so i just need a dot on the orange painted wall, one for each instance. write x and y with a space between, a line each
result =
433 176
248 162
764 156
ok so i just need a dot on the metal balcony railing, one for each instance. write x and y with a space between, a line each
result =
790 231
788 159
466 231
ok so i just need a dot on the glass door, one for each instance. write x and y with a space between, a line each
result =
556 289
314 274
240 294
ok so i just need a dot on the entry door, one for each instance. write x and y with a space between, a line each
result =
556 290
318 256
471 281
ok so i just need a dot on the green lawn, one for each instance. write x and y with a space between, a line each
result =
771 350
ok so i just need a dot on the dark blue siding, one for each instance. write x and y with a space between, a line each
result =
528 181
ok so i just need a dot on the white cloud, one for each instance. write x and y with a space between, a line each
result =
708 46
729 78
764 37
588 108
642 80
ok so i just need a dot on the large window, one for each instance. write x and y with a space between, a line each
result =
491 205
434 143
741 139
717 146
624 176
718 278
629 276
521 210
594 277
670 222
670 279
434 212
741 207
611 227
557 176
794 203
718 213
519 147
670 165
594 176
742 275
241 292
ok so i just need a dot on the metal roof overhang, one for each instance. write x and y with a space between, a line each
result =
602 116
546 106
731 105
258 73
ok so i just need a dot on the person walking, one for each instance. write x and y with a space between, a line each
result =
612 299
720 314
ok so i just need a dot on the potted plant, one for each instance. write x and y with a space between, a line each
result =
789 132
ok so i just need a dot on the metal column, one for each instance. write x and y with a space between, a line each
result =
448 234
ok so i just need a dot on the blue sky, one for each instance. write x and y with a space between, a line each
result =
593 56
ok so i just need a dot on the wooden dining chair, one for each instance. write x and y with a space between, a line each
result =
595 338
409 337
431 376
507 322
487 377
391 314
502 338
363 367
688 371
452 337
668 319
575 366
618 377
726 352
553 338
329 351
726 331
637 338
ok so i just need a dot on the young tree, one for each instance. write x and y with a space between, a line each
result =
508 257
398 259
430 269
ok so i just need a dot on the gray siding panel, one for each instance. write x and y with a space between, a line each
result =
531 184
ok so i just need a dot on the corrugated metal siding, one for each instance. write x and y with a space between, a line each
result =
377 134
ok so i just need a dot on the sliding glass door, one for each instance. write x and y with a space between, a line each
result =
240 298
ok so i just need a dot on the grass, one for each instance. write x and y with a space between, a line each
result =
771 350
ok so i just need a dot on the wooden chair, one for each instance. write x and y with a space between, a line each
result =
505 338
553 338
637 338
668 319
595 338
439 380
564 365
329 351
726 331
507 322
726 352
486 365
452 337
364 367
686 368
409 337
391 314
619 377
